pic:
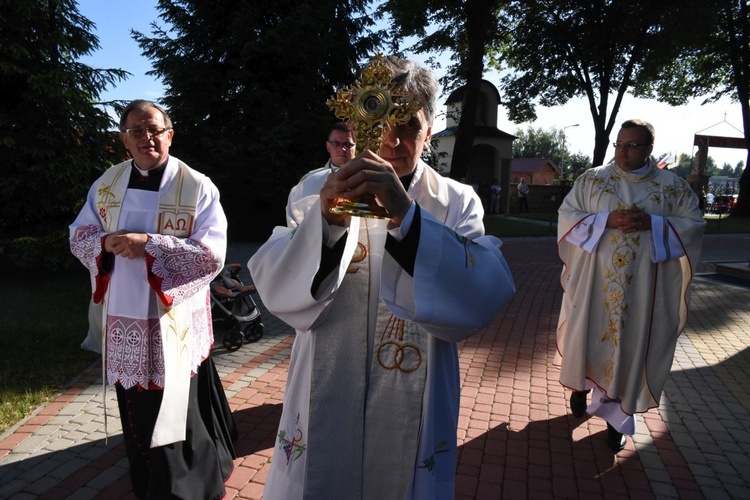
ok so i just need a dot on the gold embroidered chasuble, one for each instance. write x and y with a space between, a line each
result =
622 313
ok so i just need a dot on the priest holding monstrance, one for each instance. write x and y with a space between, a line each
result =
382 268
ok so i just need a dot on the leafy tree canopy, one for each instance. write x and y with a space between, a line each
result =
246 86
540 143
726 169
438 26
687 163
597 50
53 136
578 164
739 169
466 28
715 67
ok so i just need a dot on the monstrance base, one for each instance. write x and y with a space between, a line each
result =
369 210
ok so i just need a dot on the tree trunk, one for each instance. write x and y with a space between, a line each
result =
477 19
601 143
742 209
465 131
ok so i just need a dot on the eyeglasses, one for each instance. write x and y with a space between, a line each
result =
137 132
628 145
345 145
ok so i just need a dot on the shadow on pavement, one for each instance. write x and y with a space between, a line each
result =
257 427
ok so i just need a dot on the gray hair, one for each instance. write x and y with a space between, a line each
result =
416 81
143 105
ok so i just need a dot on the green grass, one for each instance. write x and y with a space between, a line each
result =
44 319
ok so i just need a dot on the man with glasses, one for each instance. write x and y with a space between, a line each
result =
152 234
340 145
629 236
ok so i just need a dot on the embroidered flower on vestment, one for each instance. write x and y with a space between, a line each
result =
616 296
620 260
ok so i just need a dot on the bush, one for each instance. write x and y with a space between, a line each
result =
50 252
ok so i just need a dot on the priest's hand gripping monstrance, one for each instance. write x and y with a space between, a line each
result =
371 107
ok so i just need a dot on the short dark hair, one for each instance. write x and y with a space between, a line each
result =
143 105
341 127
642 124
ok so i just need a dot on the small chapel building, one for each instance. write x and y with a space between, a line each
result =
492 151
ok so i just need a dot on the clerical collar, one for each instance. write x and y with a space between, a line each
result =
406 180
146 180
642 170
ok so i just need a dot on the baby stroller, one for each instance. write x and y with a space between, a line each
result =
234 310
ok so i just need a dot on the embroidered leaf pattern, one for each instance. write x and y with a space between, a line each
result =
105 200
429 463
105 192
616 283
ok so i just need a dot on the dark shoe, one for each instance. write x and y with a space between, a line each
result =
578 403
615 440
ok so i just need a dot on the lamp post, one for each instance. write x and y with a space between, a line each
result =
562 165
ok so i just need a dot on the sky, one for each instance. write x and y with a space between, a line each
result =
675 126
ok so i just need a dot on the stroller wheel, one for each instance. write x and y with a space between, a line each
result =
233 340
253 332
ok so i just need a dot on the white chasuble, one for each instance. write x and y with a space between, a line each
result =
623 307
371 402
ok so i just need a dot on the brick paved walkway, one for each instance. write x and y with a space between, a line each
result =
516 437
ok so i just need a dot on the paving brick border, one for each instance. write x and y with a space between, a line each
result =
516 436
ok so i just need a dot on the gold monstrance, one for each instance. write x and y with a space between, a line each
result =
370 107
